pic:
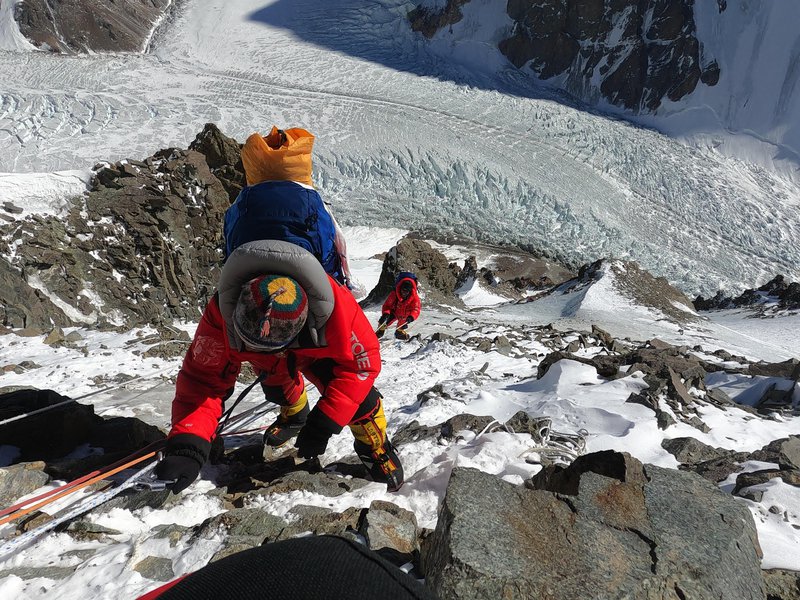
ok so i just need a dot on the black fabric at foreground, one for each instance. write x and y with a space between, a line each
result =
309 568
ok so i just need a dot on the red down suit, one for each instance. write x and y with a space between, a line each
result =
402 308
343 362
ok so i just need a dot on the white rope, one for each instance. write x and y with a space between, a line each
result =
91 502
559 448
100 391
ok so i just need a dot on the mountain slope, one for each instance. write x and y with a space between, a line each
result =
404 133
493 361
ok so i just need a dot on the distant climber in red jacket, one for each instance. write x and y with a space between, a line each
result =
277 309
402 306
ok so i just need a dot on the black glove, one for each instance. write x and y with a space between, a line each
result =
385 318
185 455
313 437
409 320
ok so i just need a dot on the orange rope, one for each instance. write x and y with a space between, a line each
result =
153 446
88 482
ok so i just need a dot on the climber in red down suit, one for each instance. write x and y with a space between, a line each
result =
402 306
277 309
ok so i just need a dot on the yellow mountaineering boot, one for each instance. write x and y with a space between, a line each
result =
376 451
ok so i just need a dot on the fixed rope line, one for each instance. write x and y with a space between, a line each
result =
87 482
227 415
89 504
153 446
95 392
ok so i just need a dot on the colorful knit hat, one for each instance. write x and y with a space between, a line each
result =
271 312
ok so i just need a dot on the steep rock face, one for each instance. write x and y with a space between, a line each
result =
429 21
641 51
632 53
23 306
143 246
89 26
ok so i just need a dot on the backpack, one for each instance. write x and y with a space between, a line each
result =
287 211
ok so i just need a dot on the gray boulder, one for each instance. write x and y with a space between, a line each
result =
387 527
785 452
688 450
605 527
19 480
782 585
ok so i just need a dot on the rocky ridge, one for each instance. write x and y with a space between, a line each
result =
142 246
604 496
633 54
81 26
644 531
774 297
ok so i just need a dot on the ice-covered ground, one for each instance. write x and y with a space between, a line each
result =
410 136
477 382
406 138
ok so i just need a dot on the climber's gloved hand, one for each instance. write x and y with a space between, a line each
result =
409 320
185 454
315 434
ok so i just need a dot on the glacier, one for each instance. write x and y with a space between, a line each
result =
412 136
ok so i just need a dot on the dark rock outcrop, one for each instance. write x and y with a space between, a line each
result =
146 240
71 26
689 450
785 452
49 434
224 157
606 526
642 53
437 282
23 306
428 21
777 294
55 432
